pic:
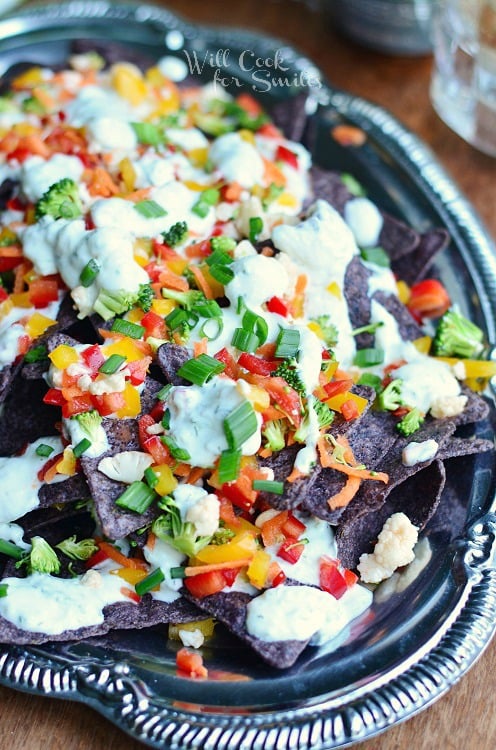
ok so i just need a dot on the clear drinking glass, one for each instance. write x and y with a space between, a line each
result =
463 88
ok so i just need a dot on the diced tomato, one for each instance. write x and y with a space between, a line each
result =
54 397
190 663
269 130
331 579
15 204
349 410
285 154
43 291
350 577
144 422
66 140
93 357
108 403
277 306
337 386
291 550
77 405
256 365
48 465
428 299
99 556
293 527
157 450
205 584
138 369
101 406
231 368
154 325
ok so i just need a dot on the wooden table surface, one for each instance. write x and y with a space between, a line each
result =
464 719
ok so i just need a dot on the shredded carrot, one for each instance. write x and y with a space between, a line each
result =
50 473
182 470
296 304
267 351
195 570
267 251
342 498
265 452
233 192
44 97
150 542
100 182
19 272
35 145
138 195
195 475
10 251
295 474
118 557
349 469
202 282
272 173
196 250
172 280
200 347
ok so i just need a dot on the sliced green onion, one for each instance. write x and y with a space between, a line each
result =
44 450
352 184
180 454
222 273
219 254
179 318
287 343
137 497
150 209
150 478
206 332
229 465
200 369
240 425
112 364
89 273
166 419
376 255
3 589
178 572
11 550
147 133
149 583
266 485
256 226
368 357
370 328
257 325
373 381
164 392
207 308
245 341
36 354
81 447
133 330
207 199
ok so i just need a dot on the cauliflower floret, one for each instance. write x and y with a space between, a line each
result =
92 579
251 209
448 406
394 548
193 638
204 514
127 466
114 383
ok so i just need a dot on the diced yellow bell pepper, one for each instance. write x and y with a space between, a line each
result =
21 299
154 76
177 265
128 174
128 81
244 525
63 356
28 79
38 324
334 289
67 464
258 569
216 287
167 482
335 403
198 186
133 402
315 328
287 199
476 385
166 105
247 135
198 156
240 547
258 397
423 344
130 575
206 628
6 307
125 347
403 291
25 128
163 306
474 368
135 315
7 236
329 369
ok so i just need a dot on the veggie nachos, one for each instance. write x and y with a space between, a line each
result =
220 397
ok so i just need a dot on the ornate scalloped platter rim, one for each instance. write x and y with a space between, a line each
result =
140 694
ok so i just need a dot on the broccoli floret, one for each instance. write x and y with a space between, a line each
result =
325 415
180 535
222 244
145 297
274 432
186 299
90 422
288 370
410 422
176 234
222 536
390 398
328 329
81 550
42 558
457 337
370 328
111 303
61 201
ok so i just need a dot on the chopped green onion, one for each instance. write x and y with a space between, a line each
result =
257 325
368 357
149 583
207 199
151 478
207 308
89 273
81 447
178 572
265 485
179 318
376 255
133 330
287 343
370 328
36 354
200 369
180 454
150 209
229 465
3 589
10 549
163 393
112 364
147 133
137 497
166 419
222 273
245 341
206 332
256 226
44 450
240 425
373 381
352 184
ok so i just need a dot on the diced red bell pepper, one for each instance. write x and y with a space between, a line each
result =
93 358
42 292
158 411
144 422
154 325
331 579
54 397
349 410
269 130
205 584
293 527
350 577
291 550
138 370
285 154
157 450
226 512
153 270
286 398
48 465
428 299
337 386
3 294
7 264
164 251
230 575
99 556
130 594
23 344
256 365
77 405
236 496
108 403
20 154
230 367
277 306
190 663
275 576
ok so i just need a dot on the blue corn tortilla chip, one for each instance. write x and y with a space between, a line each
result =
25 417
408 327
170 357
413 266
290 116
